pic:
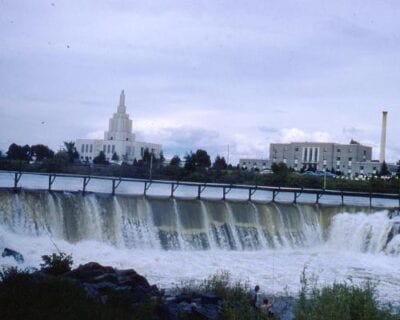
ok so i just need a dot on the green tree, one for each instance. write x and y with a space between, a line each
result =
175 161
161 160
100 158
219 163
146 156
17 152
202 159
190 162
61 157
384 170
115 157
41 152
281 172
70 148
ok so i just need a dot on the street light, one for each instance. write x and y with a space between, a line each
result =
325 165
151 165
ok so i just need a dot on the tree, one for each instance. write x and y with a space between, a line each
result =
384 170
61 157
161 159
281 171
219 163
146 156
352 141
70 148
17 152
190 162
100 158
202 159
41 152
175 161
115 157
279 168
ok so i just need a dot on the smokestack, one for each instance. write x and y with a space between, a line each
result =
383 137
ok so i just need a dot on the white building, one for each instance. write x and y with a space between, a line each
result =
118 139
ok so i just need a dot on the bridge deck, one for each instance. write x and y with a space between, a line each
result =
201 186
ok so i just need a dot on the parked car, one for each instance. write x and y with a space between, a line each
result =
319 174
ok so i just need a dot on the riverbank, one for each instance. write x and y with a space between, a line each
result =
102 292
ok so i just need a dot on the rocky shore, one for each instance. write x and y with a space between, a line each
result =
103 284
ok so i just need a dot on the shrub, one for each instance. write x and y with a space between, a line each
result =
339 301
235 298
32 296
56 264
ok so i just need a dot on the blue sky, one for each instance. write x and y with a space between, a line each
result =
201 74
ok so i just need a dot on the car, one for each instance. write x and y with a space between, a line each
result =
309 173
326 174
319 174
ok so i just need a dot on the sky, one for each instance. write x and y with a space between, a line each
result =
201 74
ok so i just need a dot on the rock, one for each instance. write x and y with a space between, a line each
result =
12 253
194 305
100 282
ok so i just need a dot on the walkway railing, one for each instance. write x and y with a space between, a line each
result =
201 187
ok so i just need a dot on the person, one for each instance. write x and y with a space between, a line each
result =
266 307
255 297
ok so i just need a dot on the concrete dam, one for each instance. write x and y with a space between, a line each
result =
170 240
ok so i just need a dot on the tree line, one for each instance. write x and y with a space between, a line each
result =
194 166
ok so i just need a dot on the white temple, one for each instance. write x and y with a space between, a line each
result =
119 139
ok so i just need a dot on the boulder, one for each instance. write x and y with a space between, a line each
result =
101 282
12 253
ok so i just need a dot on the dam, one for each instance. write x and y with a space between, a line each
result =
170 240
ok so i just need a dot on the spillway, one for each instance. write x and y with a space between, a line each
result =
172 239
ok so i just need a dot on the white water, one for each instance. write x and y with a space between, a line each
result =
276 271
123 232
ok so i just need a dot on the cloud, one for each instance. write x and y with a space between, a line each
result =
201 75
295 134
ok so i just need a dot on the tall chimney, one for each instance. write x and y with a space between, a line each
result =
383 137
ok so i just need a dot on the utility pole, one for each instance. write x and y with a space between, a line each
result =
227 159
151 165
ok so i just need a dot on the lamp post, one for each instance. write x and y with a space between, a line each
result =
151 165
325 165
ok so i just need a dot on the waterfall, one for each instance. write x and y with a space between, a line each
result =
187 224
371 233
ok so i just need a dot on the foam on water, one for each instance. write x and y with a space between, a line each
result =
171 240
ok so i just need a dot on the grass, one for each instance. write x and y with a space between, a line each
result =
340 301
234 295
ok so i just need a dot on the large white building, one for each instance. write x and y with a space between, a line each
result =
119 139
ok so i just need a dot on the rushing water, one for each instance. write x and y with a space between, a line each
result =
169 240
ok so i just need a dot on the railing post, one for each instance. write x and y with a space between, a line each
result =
113 187
295 197
370 200
198 191
172 190
84 185
16 180
145 188
249 194
50 182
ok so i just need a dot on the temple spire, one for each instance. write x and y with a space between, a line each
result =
121 106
